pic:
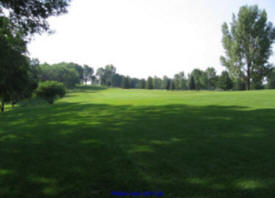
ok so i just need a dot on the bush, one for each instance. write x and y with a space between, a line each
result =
50 90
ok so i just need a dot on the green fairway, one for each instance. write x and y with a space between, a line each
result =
183 143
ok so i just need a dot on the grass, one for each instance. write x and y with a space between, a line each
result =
184 144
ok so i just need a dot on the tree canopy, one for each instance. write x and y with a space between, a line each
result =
248 45
14 64
30 16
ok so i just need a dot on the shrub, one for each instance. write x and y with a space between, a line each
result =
50 90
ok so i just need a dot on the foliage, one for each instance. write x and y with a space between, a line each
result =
69 74
211 78
133 82
117 80
172 85
180 81
192 85
149 83
142 84
126 83
165 83
16 78
50 90
87 73
271 80
106 75
200 79
248 45
30 16
156 82
224 81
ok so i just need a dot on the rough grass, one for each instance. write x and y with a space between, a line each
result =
184 144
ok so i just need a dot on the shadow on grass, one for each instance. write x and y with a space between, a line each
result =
89 150
87 88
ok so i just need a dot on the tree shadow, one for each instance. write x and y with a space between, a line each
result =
88 88
89 150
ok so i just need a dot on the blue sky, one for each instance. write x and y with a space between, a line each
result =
142 37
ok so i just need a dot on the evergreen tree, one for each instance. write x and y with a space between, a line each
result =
192 83
225 81
149 84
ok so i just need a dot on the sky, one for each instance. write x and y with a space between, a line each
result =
142 38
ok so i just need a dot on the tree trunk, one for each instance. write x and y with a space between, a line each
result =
248 76
2 106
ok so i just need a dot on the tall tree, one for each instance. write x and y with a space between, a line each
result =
14 65
172 85
156 82
134 83
87 73
110 71
225 81
180 81
125 84
18 20
211 77
116 80
192 85
101 75
200 79
248 44
271 80
165 83
142 84
149 84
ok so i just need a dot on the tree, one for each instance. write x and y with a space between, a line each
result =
134 83
18 20
50 90
225 81
239 84
125 84
172 85
87 73
271 80
142 84
78 69
149 84
106 74
101 75
192 85
248 44
117 80
211 77
69 74
168 84
109 72
14 65
180 81
165 83
200 79
157 82
30 16
94 80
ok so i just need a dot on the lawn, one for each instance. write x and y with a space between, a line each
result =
182 143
